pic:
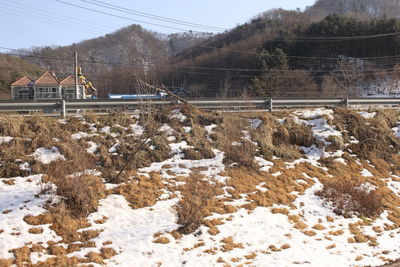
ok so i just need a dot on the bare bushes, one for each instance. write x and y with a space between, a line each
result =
197 194
81 194
282 140
242 154
373 135
348 197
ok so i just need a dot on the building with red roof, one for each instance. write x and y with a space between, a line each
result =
48 86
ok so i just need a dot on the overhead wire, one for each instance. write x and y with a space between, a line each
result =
75 21
54 21
119 16
151 16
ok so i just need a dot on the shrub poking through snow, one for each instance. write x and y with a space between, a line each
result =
373 135
81 194
349 198
242 154
192 208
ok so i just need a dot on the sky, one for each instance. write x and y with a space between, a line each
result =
32 23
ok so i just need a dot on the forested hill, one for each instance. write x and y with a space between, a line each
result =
12 68
358 8
131 46
305 46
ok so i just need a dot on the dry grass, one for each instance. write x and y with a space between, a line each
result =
197 194
282 141
241 154
374 135
347 198
141 191
81 194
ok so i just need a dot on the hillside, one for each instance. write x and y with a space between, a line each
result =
13 68
361 9
130 48
297 188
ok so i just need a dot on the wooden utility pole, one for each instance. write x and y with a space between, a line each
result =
76 74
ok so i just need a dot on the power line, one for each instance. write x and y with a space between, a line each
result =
54 21
118 16
151 16
41 56
58 16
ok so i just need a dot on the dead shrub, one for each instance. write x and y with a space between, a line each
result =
347 197
374 135
191 154
336 143
242 154
197 194
299 134
81 194
286 152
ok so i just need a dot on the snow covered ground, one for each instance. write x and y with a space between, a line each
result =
302 232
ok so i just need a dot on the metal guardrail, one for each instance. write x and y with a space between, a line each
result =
107 105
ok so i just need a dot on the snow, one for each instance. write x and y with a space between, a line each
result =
367 115
166 129
176 114
137 129
366 173
209 128
131 231
20 200
265 165
396 131
93 147
80 135
255 123
46 155
5 139
314 114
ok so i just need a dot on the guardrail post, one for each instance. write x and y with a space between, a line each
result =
63 111
269 104
346 102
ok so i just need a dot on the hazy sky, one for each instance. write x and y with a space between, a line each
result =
27 23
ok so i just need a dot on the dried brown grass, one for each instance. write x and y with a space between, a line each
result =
347 198
374 135
81 194
197 195
141 191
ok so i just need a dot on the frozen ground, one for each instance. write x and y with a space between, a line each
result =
263 236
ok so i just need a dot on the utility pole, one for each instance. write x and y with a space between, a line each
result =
76 74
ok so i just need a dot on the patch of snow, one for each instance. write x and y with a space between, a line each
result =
396 131
209 128
265 164
93 147
106 130
340 160
21 200
137 129
176 114
255 123
132 232
366 173
167 129
5 139
80 135
187 129
367 115
46 156
314 113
